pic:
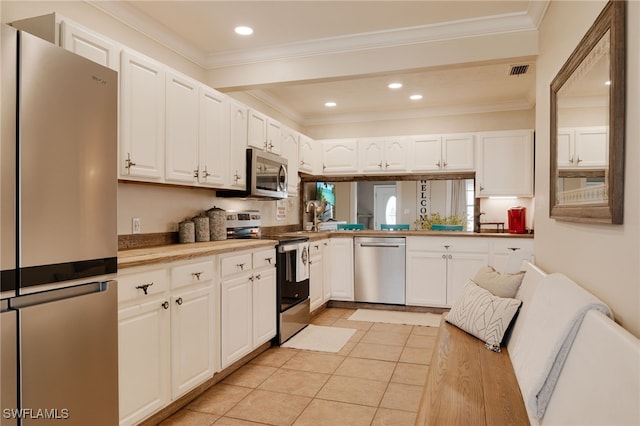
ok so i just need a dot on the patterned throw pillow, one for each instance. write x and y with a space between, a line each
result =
501 285
483 315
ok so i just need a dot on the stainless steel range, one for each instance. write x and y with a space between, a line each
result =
292 268
293 303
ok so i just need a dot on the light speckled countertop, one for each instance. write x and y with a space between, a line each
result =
173 252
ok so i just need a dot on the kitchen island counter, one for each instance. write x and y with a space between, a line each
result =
314 236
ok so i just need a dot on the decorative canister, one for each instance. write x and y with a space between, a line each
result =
202 227
186 231
217 223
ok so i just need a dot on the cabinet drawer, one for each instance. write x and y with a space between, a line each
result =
264 258
192 273
235 264
133 286
453 244
507 245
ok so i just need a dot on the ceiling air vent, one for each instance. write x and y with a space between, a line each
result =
518 69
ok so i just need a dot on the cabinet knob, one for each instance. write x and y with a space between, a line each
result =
241 266
578 160
196 173
251 278
450 257
144 287
165 305
438 164
446 246
444 164
380 165
444 256
513 248
197 275
258 276
386 165
481 188
179 301
268 259
205 173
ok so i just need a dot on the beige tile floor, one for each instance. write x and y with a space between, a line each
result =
376 379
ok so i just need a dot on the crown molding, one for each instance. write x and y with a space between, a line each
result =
499 24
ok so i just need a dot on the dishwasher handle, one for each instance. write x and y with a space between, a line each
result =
379 245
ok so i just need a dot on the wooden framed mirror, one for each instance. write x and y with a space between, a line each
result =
588 125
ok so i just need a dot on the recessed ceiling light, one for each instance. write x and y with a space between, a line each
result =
415 97
394 85
330 104
242 30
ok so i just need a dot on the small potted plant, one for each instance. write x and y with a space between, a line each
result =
435 222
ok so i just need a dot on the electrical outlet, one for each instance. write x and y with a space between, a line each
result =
135 225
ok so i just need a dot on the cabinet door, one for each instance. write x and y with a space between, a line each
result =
505 164
142 103
213 151
290 152
326 270
264 306
89 45
341 268
458 152
236 308
460 268
316 275
274 137
427 153
371 155
143 360
192 338
310 155
566 150
592 147
395 156
503 247
238 146
340 156
257 130
426 279
182 128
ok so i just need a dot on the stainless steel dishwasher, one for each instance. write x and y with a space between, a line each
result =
380 270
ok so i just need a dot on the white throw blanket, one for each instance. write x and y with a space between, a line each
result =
553 318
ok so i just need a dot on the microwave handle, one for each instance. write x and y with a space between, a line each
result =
285 182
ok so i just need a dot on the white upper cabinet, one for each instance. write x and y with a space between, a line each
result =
382 155
505 164
290 141
142 102
237 173
339 156
213 151
181 121
85 43
583 147
263 132
452 152
310 155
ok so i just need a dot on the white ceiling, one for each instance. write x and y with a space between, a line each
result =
202 31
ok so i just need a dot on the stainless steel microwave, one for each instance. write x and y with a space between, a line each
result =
266 177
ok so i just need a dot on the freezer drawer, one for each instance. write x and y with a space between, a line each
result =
379 264
69 355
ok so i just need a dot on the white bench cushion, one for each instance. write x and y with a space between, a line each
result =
600 381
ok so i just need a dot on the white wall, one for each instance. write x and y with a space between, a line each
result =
602 258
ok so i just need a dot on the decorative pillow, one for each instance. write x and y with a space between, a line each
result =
483 315
501 285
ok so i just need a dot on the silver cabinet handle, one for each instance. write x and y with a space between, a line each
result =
144 287
128 163
165 305
179 301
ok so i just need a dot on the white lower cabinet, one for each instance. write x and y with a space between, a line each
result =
319 289
166 335
438 268
248 302
340 268
501 249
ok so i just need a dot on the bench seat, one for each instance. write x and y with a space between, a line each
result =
468 384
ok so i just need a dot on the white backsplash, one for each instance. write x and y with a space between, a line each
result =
161 208
495 210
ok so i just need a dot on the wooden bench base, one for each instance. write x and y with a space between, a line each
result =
469 384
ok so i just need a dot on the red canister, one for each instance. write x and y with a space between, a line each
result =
517 220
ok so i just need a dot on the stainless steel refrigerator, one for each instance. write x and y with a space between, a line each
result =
58 257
